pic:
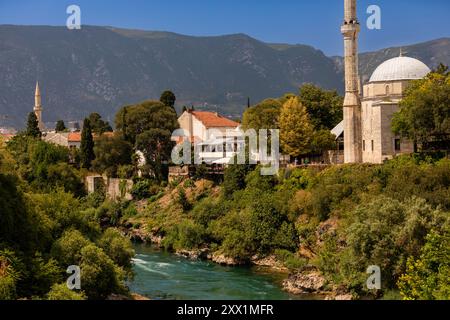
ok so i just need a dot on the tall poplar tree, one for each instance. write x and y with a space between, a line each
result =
296 129
87 145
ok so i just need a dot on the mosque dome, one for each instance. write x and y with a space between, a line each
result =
400 68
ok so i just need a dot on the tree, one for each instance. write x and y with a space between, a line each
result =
135 119
110 153
424 115
427 278
87 145
117 247
98 126
324 107
33 126
322 140
168 98
295 128
100 276
60 126
156 145
262 116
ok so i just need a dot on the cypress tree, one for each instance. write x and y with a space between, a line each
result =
60 126
87 145
168 98
33 126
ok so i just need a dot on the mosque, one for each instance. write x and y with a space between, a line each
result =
368 111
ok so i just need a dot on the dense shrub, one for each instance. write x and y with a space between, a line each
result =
61 292
184 235
383 232
99 276
117 247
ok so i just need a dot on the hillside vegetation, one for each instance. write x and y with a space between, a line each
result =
339 220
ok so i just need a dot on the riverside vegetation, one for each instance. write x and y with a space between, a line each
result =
334 222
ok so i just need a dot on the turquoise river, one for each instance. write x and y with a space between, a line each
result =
162 275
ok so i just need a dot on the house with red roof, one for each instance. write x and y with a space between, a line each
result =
205 125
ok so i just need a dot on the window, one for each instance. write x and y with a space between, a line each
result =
388 90
372 145
364 145
397 144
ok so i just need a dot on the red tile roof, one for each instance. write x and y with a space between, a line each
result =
214 120
74 137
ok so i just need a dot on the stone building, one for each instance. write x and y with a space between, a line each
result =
381 97
368 113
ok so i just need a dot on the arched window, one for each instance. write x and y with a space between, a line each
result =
388 90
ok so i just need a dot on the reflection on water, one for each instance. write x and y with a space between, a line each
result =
161 275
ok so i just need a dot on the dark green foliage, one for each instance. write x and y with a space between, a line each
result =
60 126
33 126
100 275
185 235
384 232
324 107
44 228
67 249
149 127
234 179
168 99
424 115
87 145
183 200
156 146
110 153
141 189
117 248
147 115
98 126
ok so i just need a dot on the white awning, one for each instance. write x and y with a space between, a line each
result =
338 130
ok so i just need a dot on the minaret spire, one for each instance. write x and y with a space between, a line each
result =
38 106
352 102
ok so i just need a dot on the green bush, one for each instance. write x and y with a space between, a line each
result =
427 277
184 235
141 189
61 292
67 249
290 260
117 247
100 276
183 201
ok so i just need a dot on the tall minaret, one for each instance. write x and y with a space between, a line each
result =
352 101
38 106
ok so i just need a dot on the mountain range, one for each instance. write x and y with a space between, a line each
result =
103 68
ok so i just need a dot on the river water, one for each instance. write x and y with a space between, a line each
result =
162 275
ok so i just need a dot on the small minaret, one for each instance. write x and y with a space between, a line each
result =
352 102
38 106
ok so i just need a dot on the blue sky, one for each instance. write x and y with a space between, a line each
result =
314 22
